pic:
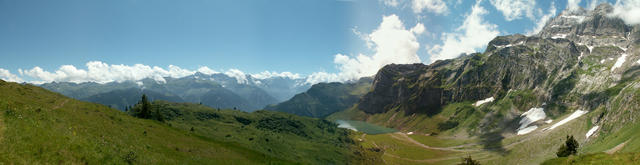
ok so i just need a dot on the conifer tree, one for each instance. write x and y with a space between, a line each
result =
570 147
145 111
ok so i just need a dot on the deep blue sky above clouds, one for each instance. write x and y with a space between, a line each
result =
321 38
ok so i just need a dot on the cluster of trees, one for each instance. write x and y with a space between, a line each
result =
145 110
570 147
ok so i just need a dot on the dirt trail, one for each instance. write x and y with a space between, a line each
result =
404 137
430 161
61 104
616 148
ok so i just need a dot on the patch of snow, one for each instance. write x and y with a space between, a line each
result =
602 61
638 61
574 115
548 121
509 45
410 133
578 18
559 36
345 124
480 102
527 130
519 43
139 83
619 62
590 48
623 49
591 131
531 116
581 54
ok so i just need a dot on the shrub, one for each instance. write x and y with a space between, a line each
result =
447 125
130 157
570 147
469 161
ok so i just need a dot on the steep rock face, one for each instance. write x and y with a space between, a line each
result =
510 62
323 99
390 88
582 60
593 27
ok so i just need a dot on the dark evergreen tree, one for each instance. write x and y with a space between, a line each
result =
570 147
145 109
157 115
469 161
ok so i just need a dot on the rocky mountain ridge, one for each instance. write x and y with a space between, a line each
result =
581 60
216 90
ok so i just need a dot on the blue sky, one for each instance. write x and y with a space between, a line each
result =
304 37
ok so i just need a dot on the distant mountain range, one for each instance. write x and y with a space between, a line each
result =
215 90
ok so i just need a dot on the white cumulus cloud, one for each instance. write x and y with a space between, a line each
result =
392 3
6 75
392 43
515 9
593 4
627 10
543 20
238 75
207 70
435 6
474 33
573 5
101 72
418 29
268 74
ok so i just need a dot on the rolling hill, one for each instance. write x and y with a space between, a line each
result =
38 126
323 99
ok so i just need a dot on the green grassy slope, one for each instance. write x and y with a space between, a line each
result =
38 126
289 137
597 158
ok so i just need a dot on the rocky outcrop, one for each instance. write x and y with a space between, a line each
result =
510 62
323 99
560 63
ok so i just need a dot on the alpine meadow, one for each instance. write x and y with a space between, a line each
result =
320 82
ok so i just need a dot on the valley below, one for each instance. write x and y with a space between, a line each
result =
569 94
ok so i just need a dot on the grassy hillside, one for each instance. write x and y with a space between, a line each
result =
120 99
597 158
38 126
285 136
324 99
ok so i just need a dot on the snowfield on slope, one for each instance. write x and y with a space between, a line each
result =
480 102
591 131
619 62
574 115
531 116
